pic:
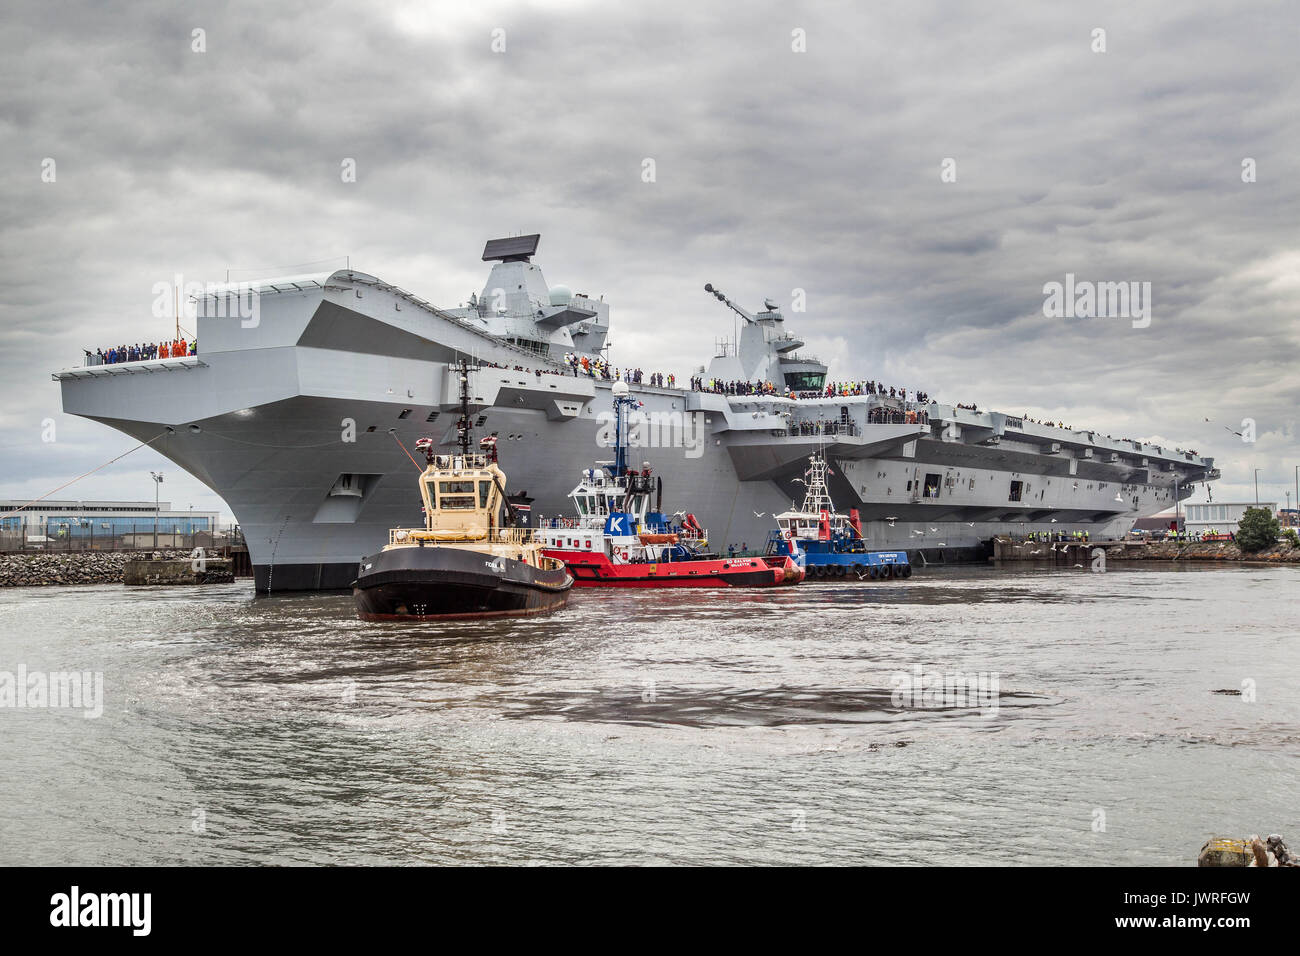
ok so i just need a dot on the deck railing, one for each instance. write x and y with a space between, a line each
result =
498 536
798 429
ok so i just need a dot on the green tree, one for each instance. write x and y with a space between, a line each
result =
1257 529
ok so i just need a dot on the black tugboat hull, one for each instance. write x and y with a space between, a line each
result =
433 583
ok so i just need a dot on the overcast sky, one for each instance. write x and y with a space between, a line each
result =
775 170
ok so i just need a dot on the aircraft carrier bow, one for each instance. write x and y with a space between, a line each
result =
298 421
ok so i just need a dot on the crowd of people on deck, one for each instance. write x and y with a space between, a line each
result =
142 352
519 368
826 426
719 387
594 367
885 415
832 390
844 389
634 376
1035 421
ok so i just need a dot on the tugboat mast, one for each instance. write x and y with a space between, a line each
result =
817 497
622 401
487 445
462 426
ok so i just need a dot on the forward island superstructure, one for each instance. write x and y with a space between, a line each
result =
300 417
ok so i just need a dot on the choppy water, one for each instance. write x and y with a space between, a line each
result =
702 727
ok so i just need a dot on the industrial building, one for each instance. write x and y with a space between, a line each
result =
100 524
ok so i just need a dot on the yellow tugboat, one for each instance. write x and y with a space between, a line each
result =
469 560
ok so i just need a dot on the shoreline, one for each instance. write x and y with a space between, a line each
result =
1073 552
26 569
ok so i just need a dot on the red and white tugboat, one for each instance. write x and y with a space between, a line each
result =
621 538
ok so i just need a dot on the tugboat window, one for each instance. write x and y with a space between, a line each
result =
456 495
484 489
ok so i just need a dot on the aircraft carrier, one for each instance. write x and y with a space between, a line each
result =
301 420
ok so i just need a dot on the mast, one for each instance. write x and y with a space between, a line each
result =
464 436
817 498
462 426
622 401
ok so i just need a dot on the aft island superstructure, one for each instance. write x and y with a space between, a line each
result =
299 417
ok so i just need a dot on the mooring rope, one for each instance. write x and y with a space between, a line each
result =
408 454
79 477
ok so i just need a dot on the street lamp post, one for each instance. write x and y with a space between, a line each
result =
1256 487
1178 525
157 484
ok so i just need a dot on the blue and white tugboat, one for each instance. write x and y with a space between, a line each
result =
830 545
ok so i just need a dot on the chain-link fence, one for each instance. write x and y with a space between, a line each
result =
140 536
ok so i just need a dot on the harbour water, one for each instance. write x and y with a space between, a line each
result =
1139 712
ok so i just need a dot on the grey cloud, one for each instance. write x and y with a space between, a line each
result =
776 171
